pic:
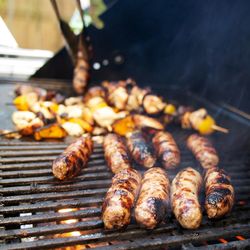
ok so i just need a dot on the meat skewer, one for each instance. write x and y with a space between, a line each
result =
219 193
203 151
120 198
166 149
184 198
151 206
116 153
200 120
73 159
140 150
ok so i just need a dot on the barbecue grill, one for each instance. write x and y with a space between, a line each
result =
40 212
156 48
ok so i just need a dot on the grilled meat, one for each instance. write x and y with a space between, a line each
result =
142 121
140 150
166 149
153 104
184 198
219 193
117 94
116 153
73 159
81 73
94 92
203 150
120 198
151 206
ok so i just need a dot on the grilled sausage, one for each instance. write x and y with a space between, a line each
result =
151 206
219 193
73 159
166 149
116 209
81 73
184 198
140 150
116 153
203 150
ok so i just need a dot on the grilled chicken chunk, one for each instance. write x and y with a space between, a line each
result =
73 159
142 121
120 198
203 151
153 104
117 94
219 193
116 153
140 150
166 149
184 198
151 206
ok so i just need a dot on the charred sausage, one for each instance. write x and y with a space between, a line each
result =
116 153
166 149
203 151
219 193
73 159
140 150
151 206
120 198
184 198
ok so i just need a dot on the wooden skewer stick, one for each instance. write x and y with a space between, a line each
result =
9 132
221 129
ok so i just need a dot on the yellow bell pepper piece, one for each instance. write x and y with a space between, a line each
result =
205 126
49 132
21 103
86 126
170 109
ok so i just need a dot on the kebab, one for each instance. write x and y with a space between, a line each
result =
75 157
219 193
184 198
151 206
166 149
200 120
116 153
203 151
140 149
120 198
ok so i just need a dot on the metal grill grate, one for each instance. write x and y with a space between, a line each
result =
31 215
31 200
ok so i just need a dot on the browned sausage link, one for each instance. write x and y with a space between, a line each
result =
166 149
203 151
120 198
184 198
81 74
116 153
151 206
219 193
140 150
73 159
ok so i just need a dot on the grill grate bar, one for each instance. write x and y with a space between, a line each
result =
51 229
48 205
139 242
46 165
55 188
243 244
51 216
51 179
51 196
